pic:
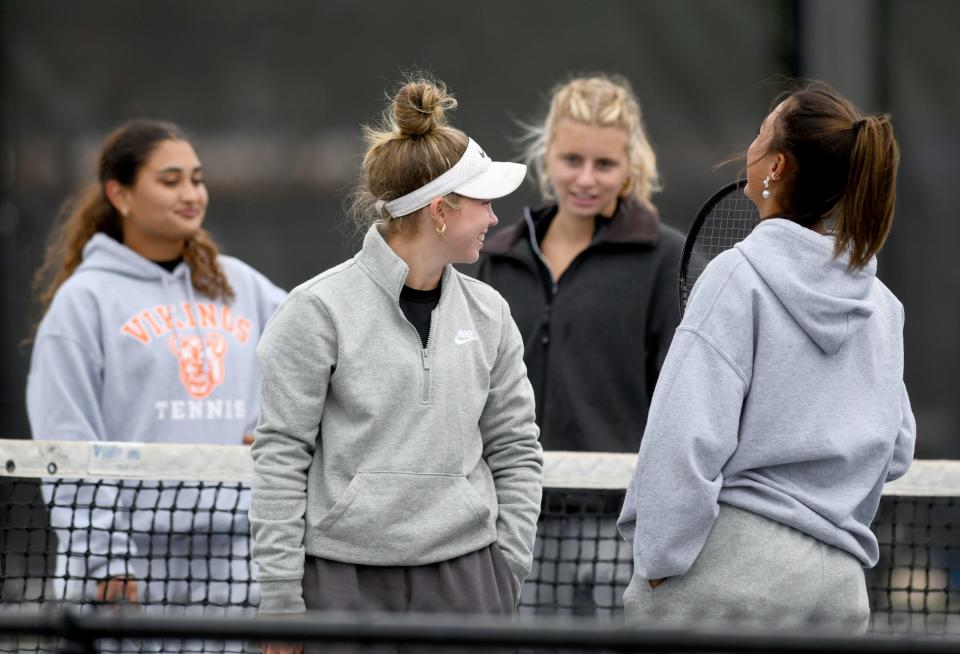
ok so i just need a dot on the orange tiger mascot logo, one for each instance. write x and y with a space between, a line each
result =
201 364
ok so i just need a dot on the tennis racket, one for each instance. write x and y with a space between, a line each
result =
724 220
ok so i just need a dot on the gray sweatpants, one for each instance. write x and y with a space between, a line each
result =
758 572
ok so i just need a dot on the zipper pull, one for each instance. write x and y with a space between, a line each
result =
426 359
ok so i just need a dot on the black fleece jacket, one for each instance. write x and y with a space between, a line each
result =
595 338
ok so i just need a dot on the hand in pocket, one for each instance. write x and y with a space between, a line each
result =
656 582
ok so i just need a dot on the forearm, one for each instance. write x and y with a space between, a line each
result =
277 510
292 398
672 525
905 442
518 479
691 433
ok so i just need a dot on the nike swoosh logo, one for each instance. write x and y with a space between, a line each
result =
460 340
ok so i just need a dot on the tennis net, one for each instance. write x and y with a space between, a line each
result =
173 519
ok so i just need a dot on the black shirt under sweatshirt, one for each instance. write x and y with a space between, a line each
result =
418 306
169 265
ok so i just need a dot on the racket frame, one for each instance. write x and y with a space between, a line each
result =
692 236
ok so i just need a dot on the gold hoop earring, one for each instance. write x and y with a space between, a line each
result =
441 228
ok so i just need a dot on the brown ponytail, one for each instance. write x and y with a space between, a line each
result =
123 155
842 166
865 212
80 218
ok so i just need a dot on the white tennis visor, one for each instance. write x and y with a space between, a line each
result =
474 176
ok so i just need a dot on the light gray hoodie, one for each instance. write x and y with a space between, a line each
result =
130 352
782 394
372 449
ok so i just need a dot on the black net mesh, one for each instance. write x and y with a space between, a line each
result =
582 566
915 588
168 547
187 546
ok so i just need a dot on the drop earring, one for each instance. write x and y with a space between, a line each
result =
766 188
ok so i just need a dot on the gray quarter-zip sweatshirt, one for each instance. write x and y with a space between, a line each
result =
782 394
374 450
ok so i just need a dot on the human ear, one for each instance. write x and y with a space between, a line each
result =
117 195
779 166
436 208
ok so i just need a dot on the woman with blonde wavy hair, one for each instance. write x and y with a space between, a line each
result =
590 277
591 281
148 335
397 465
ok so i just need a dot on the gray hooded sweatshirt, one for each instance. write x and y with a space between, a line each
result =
782 394
374 450
130 352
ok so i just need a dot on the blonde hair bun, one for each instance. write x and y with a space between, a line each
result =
420 107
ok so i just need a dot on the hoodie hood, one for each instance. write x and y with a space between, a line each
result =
829 302
104 253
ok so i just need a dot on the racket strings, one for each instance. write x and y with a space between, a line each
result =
729 220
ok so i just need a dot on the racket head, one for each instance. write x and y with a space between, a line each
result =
724 220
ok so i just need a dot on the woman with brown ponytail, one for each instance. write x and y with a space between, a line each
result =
148 335
781 409
397 465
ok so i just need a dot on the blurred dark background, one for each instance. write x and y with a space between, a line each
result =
272 95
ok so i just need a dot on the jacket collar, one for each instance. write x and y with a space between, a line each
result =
631 223
386 268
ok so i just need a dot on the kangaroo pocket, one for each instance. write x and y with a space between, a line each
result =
396 518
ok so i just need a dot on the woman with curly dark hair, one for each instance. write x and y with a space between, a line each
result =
148 335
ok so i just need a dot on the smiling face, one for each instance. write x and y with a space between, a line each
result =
166 203
467 228
587 167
